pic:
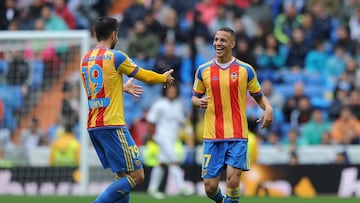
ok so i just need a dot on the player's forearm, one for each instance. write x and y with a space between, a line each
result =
150 77
264 103
195 101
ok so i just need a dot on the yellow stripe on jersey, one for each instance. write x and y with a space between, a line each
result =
125 149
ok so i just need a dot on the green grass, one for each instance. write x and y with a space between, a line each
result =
144 198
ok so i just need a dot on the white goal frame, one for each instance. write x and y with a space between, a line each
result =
84 39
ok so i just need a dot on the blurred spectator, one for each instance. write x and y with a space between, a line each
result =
315 60
297 51
285 23
143 45
347 10
207 8
292 103
275 98
153 25
322 21
340 99
344 40
25 20
160 8
167 60
198 31
232 7
8 14
302 114
32 136
354 25
35 8
171 30
18 70
62 10
346 129
308 29
221 19
342 158
51 20
243 51
326 138
65 150
335 64
71 103
140 130
312 131
259 12
352 73
354 102
83 15
294 159
292 140
134 12
273 56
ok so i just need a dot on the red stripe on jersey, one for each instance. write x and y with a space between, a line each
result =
101 94
215 87
234 99
85 62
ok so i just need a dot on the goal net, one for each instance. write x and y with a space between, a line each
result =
39 103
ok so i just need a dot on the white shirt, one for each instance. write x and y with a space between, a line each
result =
168 116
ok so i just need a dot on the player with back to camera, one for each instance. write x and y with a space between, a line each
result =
220 87
102 70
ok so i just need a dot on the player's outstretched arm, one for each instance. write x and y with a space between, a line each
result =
152 77
131 88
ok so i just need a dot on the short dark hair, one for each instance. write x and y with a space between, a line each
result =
104 26
229 30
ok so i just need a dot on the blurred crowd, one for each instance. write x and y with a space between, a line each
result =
306 54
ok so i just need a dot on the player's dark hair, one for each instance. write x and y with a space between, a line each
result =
176 85
104 26
229 30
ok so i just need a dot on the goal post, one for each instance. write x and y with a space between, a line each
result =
11 41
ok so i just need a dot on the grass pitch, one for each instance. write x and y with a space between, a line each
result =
144 198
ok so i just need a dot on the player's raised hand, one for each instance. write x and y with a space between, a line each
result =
131 88
169 78
266 119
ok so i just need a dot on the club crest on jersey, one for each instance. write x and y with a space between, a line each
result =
234 77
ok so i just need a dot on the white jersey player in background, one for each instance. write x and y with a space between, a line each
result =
167 117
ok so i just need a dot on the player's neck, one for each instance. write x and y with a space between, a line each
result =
103 44
223 60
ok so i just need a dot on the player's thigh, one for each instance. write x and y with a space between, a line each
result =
237 155
214 154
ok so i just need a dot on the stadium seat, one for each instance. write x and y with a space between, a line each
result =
285 89
291 77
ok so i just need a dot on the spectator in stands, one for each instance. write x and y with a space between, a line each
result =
169 59
340 100
243 51
153 25
25 20
297 51
259 12
352 73
140 130
302 114
275 98
35 8
32 136
160 8
308 28
292 102
336 63
326 138
342 158
273 56
65 150
354 25
51 20
312 131
286 22
143 45
83 15
134 12
347 11
171 29
18 70
62 10
315 60
294 159
221 19
8 14
346 129
207 8
322 21
292 140
198 30
70 104
354 102
343 39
